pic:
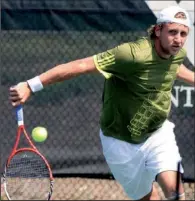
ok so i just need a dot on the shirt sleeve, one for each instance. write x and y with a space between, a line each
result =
117 61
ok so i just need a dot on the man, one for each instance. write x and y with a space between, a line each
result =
137 139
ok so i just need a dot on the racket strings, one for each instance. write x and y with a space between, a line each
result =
27 177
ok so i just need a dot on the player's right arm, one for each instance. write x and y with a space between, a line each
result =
20 93
116 61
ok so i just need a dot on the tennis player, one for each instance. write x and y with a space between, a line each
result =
138 140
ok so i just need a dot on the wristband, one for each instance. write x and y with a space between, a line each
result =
35 84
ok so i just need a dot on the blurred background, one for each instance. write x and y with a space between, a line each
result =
39 34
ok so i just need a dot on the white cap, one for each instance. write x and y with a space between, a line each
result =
171 14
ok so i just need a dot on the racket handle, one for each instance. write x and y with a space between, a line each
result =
19 115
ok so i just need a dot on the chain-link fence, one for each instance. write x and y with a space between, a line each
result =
70 110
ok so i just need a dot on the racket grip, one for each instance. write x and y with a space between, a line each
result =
19 115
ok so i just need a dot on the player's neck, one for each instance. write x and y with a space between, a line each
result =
161 53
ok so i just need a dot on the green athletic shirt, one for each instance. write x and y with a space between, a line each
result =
137 89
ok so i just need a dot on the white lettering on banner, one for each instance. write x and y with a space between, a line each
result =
188 91
156 6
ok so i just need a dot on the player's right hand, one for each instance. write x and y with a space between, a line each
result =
19 93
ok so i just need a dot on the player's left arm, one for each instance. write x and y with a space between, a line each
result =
186 75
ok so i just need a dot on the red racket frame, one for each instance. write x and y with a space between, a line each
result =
21 129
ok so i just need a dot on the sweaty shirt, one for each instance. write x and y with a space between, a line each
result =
137 89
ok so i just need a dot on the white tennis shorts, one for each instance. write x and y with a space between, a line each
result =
135 166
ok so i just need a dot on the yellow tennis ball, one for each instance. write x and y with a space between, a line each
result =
39 134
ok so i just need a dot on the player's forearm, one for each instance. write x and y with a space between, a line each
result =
60 73
186 75
67 71
20 93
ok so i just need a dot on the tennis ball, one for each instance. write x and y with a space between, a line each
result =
39 134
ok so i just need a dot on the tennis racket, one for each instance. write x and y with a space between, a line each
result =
27 174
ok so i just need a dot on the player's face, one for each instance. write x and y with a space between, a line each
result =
172 38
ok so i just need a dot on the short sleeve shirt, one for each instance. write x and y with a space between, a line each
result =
137 89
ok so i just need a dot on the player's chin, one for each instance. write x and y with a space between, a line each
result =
174 52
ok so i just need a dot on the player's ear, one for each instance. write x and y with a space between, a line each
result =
158 30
